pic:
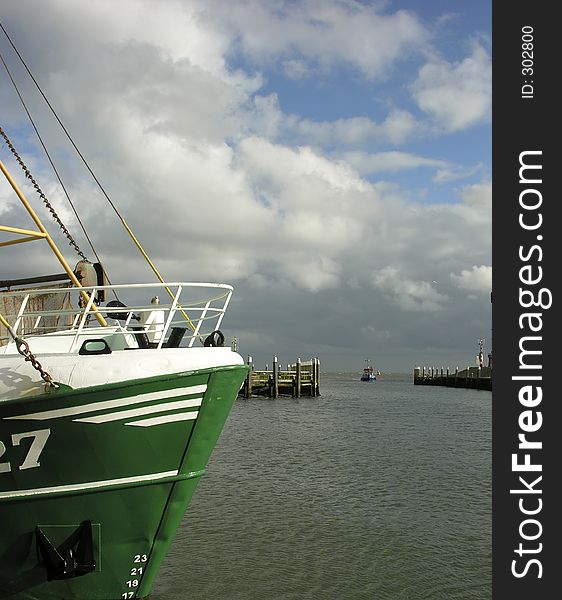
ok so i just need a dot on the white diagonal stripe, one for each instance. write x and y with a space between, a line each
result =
186 416
145 410
87 486
95 406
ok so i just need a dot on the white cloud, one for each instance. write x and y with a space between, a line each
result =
220 184
408 294
478 279
476 209
455 172
295 68
278 168
315 273
321 33
390 161
379 162
456 95
399 126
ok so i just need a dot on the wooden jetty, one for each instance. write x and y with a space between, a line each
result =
301 378
479 378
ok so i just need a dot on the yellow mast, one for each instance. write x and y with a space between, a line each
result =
42 234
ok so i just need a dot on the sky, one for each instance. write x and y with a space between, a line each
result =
330 159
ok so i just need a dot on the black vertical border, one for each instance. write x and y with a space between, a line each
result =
525 124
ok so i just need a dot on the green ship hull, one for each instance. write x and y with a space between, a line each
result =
100 478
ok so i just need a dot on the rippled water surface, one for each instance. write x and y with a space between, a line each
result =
378 491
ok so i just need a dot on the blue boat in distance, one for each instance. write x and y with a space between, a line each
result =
368 372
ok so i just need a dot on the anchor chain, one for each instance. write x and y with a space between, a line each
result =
46 202
23 348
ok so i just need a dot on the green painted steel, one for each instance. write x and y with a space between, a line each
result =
132 477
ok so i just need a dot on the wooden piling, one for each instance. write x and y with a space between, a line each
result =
298 379
316 376
275 386
301 378
248 386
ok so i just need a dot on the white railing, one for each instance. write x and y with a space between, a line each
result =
196 308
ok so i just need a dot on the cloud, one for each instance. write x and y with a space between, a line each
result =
476 210
390 161
295 68
315 273
410 295
298 177
456 95
219 182
456 172
318 35
478 279
398 127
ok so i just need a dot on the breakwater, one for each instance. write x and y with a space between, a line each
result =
479 378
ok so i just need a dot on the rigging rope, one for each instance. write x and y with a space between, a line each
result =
102 189
49 158
61 124
46 202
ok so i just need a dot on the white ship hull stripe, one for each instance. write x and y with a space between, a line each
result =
87 486
95 406
145 410
186 416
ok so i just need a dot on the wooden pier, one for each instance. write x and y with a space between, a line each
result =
301 378
479 378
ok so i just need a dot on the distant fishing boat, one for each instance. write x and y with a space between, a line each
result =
368 372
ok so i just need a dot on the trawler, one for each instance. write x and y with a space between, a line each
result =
112 398
368 372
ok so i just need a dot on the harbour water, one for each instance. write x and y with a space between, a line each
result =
374 490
